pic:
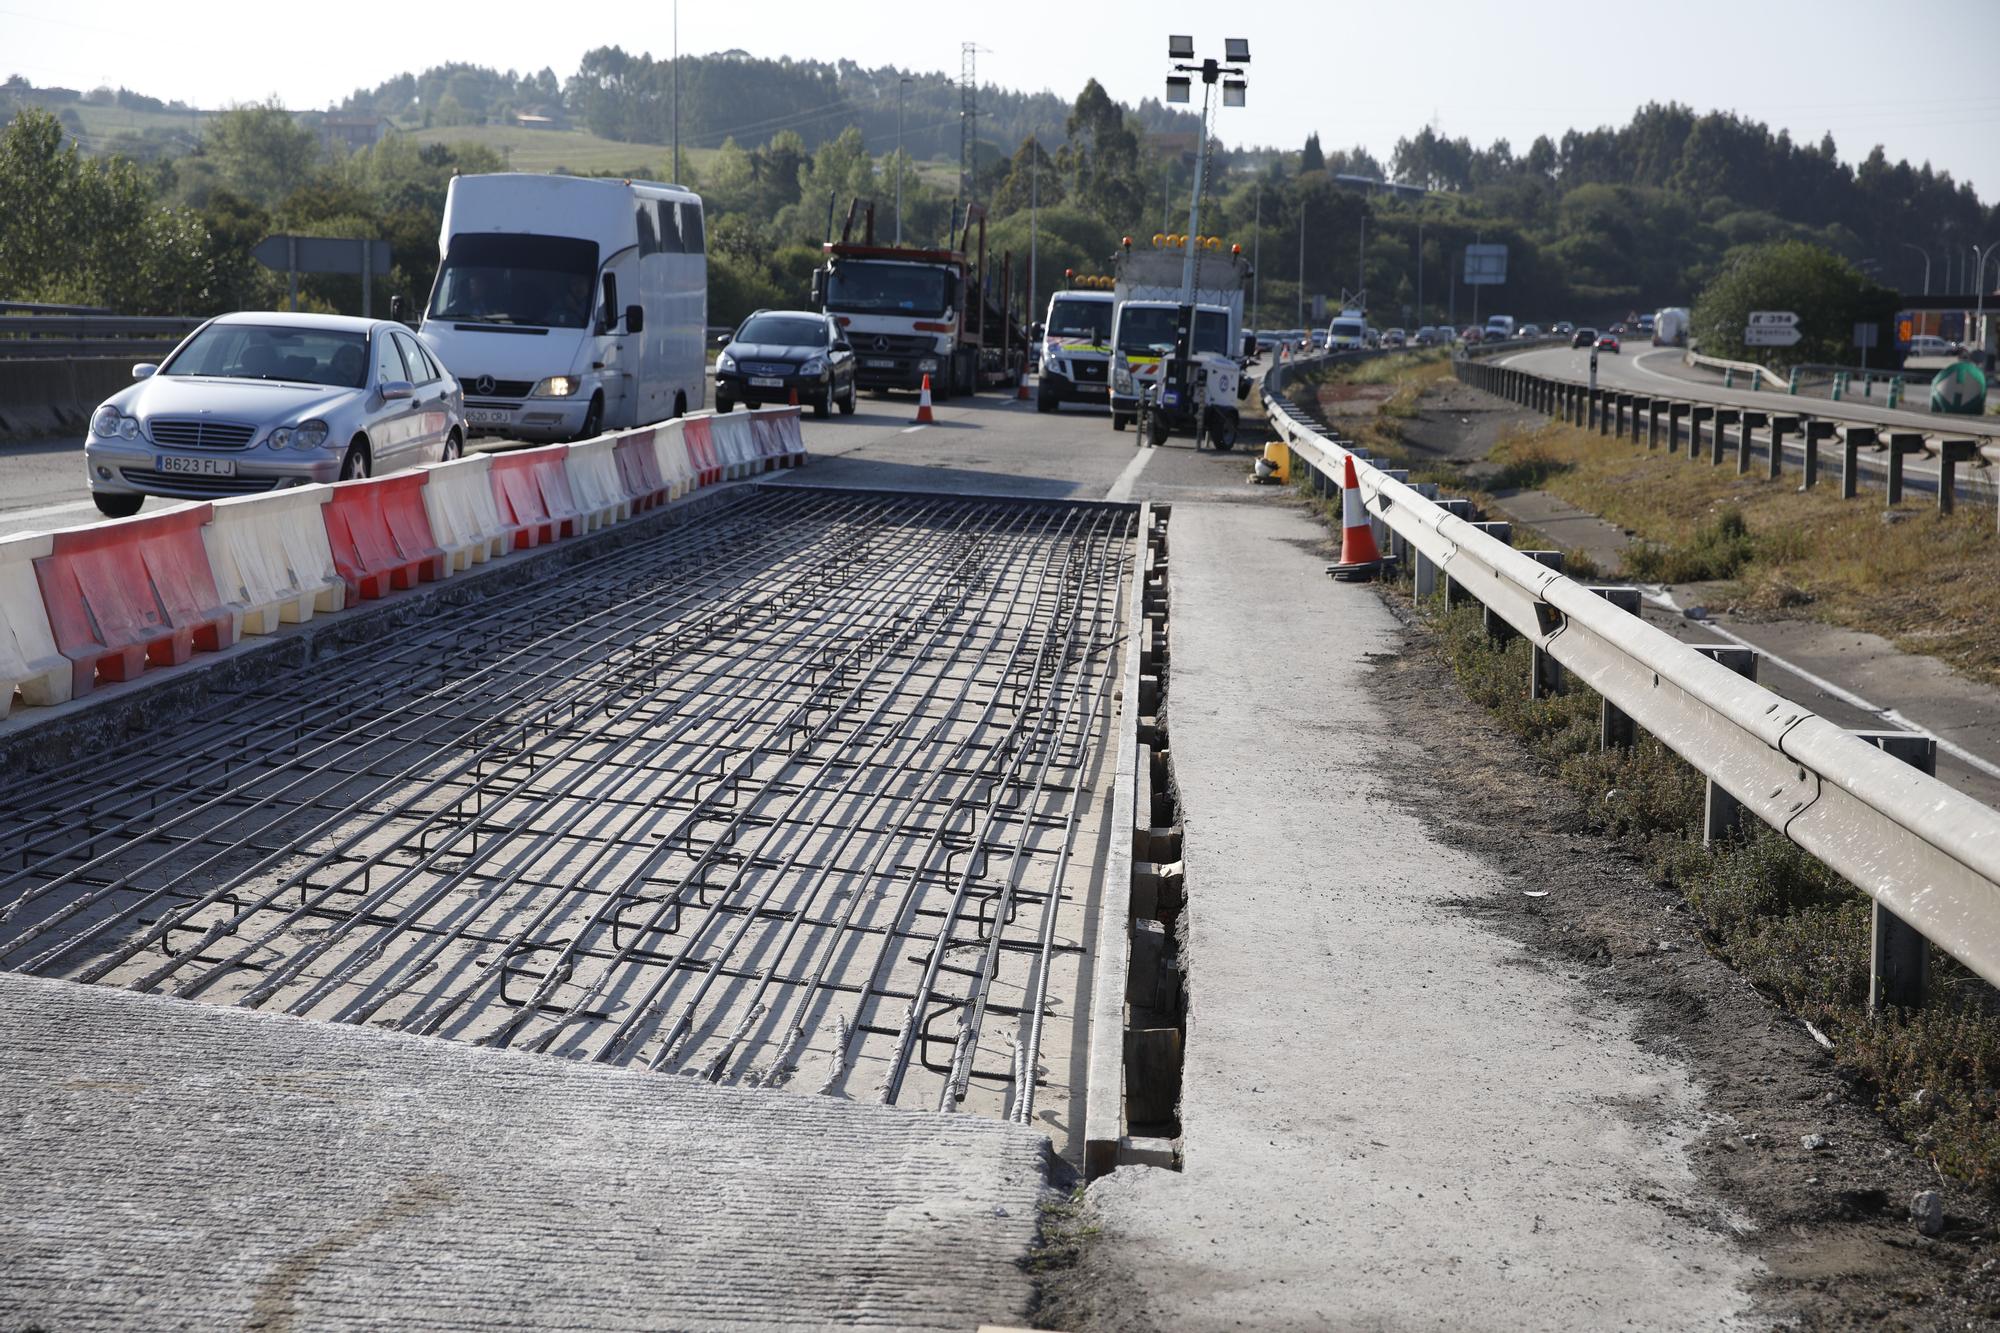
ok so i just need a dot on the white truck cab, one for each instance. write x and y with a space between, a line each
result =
570 306
1076 350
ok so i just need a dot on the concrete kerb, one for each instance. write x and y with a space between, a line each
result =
30 663
1104 1094
68 730
458 497
271 559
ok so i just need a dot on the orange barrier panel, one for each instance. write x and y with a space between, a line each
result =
701 452
124 595
639 468
381 535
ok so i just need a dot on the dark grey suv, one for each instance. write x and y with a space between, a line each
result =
778 353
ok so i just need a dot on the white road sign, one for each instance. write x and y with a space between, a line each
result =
1767 335
1772 319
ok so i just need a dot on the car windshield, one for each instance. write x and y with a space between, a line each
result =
1089 320
783 330
333 357
509 278
866 285
1146 330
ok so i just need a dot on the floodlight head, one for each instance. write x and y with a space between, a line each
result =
1178 88
1232 92
1180 48
1236 50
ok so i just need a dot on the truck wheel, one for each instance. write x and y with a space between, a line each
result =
1120 420
1045 399
1156 429
1221 430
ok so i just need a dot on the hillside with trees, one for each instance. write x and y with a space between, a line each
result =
1598 223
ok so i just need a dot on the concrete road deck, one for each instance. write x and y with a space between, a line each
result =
1391 1118
176 1165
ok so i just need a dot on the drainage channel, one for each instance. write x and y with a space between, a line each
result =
806 792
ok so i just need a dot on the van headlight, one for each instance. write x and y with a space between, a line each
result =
1121 378
556 386
111 424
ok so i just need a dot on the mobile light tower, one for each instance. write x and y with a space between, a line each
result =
1180 88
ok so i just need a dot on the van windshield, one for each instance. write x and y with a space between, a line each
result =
1089 320
860 284
1347 328
511 278
1146 330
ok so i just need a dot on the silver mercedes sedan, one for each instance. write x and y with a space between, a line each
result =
254 401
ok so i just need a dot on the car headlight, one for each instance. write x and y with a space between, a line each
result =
814 366
111 424
725 362
556 386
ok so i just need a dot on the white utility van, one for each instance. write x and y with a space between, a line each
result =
567 307
1348 332
1499 328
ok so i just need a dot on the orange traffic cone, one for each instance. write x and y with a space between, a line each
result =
1021 385
924 403
1360 558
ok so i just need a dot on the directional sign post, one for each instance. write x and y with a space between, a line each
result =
1771 328
1959 389
294 255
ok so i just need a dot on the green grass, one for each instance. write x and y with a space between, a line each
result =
1776 914
569 150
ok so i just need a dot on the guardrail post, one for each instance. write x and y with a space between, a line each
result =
1725 417
1653 406
1780 428
1573 404
1590 407
1545 674
1697 414
1453 592
1722 814
1816 430
1950 454
1902 442
1746 439
1899 964
1675 410
1497 629
1851 440
1615 728
1639 401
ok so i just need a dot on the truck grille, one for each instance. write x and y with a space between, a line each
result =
892 344
199 433
1090 372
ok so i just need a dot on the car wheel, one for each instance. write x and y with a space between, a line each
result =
454 447
849 403
117 506
1120 420
680 407
724 403
355 466
593 419
824 407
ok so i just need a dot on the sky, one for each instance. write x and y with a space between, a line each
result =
1361 73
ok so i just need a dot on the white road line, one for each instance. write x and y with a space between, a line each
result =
1659 596
46 511
1121 489
912 430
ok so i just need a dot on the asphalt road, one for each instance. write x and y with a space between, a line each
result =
1645 369
990 443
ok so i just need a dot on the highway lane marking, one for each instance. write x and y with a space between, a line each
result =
1121 489
1659 596
46 511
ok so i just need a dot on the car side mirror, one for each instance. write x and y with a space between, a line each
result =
144 370
396 390
635 318
843 346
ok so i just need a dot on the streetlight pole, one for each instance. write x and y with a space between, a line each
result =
1980 253
1034 192
901 84
677 91
1908 245
1236 51
1302 261
1256 249
1420 264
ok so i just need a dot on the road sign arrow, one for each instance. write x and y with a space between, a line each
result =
1959 388
1768 335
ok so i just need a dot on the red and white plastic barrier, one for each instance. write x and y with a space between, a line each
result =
30 663
270 558
102 602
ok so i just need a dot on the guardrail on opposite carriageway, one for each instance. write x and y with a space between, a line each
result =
1927 854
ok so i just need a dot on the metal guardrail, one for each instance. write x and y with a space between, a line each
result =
1926 853
72 334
